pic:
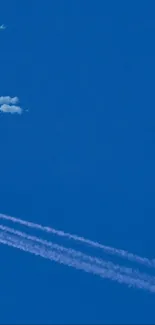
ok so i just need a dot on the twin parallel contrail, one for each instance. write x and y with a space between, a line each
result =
109 250
67 259
80 255
73 258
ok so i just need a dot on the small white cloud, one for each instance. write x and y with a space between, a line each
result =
8 100
6 108
8 105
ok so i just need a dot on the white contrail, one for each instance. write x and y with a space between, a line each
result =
66 259
83 257
107 249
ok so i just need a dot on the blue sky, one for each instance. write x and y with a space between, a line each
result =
82 159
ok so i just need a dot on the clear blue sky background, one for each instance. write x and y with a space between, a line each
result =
83 158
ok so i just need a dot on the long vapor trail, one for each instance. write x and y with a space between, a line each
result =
83 257
107 249
54 253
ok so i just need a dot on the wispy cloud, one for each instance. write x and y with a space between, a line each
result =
6 108
8 100
8 105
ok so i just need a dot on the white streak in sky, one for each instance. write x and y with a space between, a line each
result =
76 254
68 259
109 250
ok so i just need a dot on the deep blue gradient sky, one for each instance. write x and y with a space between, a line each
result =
83 158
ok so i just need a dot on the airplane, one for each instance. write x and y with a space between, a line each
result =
2 27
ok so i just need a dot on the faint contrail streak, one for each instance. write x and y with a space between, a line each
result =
83 257
106 249
56 255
